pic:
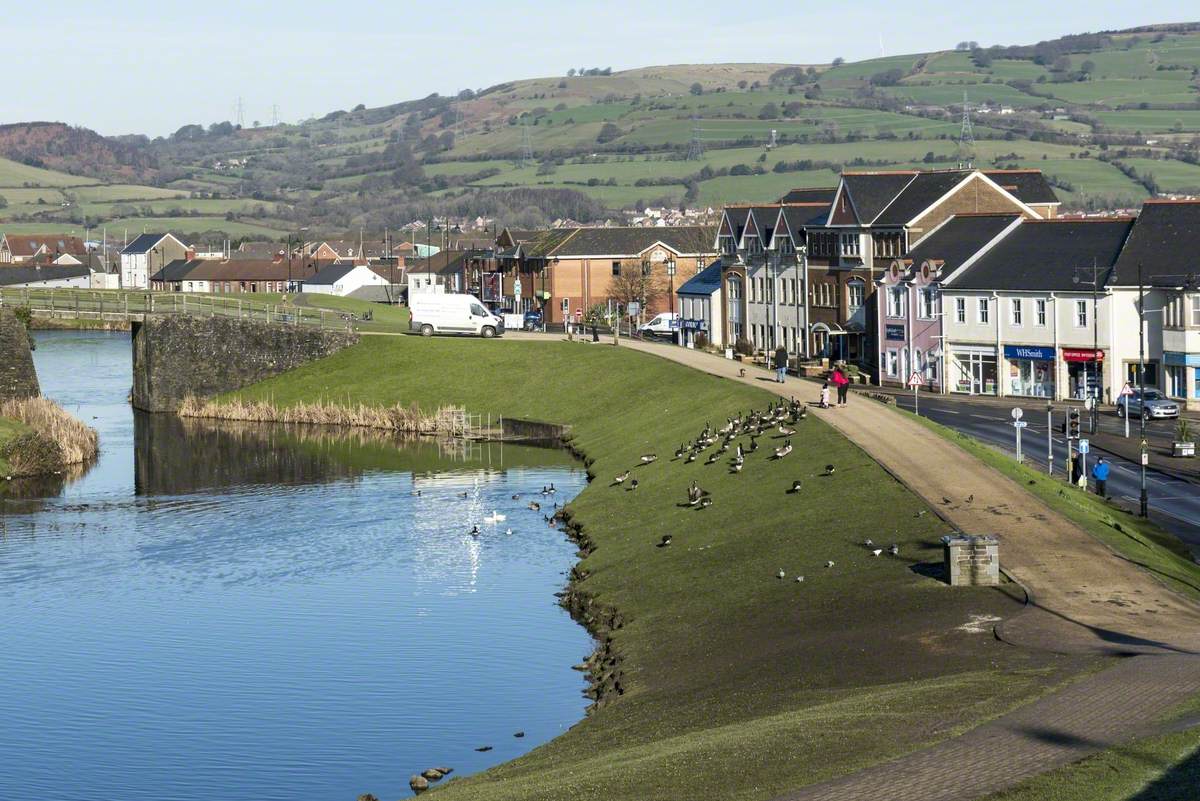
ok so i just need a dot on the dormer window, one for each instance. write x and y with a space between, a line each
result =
851 245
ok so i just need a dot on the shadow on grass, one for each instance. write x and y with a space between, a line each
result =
932 570
1181 782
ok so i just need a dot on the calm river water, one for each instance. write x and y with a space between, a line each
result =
236 612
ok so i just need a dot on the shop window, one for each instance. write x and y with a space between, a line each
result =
1196 382
983 311
1040 311
1176 376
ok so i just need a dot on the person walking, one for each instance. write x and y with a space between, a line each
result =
1076 470
825 395
841 383
1100 473
781 363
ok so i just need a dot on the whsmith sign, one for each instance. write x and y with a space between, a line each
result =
1029 353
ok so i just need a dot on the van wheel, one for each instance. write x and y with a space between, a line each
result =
487 332
427 330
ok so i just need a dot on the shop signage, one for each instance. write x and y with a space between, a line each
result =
1181 359
895 332
1029 352
694 325
1082 355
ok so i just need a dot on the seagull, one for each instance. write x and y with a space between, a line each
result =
796 485
799 579
876 552
781 574
508 531
647 458
621 478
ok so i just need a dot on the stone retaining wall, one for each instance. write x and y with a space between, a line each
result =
179 355
17 376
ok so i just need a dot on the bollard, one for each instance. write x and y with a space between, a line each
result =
972 561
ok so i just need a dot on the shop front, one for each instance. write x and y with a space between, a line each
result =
1085 373
1030 371
973 370
1182 374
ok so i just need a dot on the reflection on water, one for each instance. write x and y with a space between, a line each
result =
247 612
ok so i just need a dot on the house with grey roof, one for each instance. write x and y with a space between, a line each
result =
701 306
342 279
146 255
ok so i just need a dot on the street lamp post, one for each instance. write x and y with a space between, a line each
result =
1049 438
802 285
1142 500
671 289
1087 391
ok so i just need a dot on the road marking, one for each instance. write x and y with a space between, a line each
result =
984 417
948 411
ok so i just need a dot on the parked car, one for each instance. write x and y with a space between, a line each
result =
663 325
1155 404
438 313
533 320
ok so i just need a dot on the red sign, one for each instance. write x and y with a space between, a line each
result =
1082 355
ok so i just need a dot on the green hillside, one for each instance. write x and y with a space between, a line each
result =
1113 118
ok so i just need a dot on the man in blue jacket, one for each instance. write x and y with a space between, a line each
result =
1100 473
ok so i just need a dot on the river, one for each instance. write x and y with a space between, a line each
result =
242 612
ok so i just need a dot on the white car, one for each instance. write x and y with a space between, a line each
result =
438 313
663 325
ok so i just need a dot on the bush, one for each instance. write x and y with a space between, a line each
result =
744 347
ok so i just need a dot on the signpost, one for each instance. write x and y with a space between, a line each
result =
1084 447
915 381
1018 424
1126 391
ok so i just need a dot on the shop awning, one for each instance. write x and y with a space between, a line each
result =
1082 355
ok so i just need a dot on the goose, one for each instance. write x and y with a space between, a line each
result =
803 412
712 458
894 549
474 532
621 478
535 506
632 485
680 451
417 493
691 458
552 489
829 470
787 432
740 453
495 517
946 501
705 502
970 498
737 467
830 563
462 494
664 542
647 458
876 552
781 574
796 486
785 450
753 444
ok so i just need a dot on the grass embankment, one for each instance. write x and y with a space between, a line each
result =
37 436
1133 537
733 684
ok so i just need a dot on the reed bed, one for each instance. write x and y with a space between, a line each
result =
446 421
52 428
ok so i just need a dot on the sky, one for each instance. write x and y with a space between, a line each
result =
135 66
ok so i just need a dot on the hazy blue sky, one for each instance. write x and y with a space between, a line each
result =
136 66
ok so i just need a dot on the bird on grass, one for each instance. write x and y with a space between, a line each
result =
970 498
785 450
796 486
647 458
868 543
736 467
876 552
894 549
680 451
799 579
787 432
753 444
706 502
830 563
632 485
621 478
829 469
664 542
921 513
691 458
946 501
713 458
781 574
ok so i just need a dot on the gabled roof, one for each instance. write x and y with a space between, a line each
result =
541 244
736 217
958 239
766 219
799 216
705 282
1165 239
176 270
617 242
1027 186
871 192
16 274
810 195
25 246
1043 255
444 262
331 274
235 270
925 189
144 242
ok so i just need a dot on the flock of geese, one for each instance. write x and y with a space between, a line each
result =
778 419
496 517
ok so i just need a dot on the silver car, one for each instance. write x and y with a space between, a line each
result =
1156 405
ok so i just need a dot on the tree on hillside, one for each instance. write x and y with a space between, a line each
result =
608 132
635 283
571 72
697 89
839 61
742 84
769 111
1088 67
3 202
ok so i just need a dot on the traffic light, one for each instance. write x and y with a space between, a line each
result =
1073 424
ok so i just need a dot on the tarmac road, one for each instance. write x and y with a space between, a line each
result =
1174 503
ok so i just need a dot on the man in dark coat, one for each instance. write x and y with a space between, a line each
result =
781 363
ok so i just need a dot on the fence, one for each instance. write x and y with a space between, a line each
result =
118 306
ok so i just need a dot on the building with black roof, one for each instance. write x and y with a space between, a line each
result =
146 255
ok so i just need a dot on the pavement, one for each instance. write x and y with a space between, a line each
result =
1084 599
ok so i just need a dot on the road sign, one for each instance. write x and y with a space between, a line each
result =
915 380
1126 390
1017 413
1089 402
1084 446
1020 423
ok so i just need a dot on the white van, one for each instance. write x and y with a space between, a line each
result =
433 313
664 325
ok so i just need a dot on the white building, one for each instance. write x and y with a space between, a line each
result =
146 255
342 279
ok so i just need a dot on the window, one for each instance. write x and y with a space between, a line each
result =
1195 309
1176 376
1081 314
851 245
927 295
983 311
735 288
895 301
855 295
1040 308
646 269
893 363
1016 311
616 268
960 310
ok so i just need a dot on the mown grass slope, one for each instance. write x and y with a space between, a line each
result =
735 684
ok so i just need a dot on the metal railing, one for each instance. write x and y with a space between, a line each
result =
122 305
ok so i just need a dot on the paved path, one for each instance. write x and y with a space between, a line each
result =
1121 703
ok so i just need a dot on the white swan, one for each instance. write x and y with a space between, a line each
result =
494 517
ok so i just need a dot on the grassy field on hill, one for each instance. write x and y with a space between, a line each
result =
620 140
736 684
